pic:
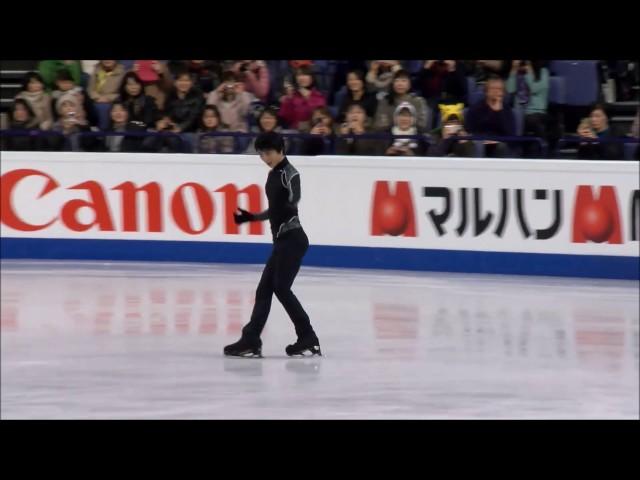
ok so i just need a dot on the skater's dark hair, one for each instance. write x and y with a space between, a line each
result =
270 141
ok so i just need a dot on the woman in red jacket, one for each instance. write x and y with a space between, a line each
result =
300 100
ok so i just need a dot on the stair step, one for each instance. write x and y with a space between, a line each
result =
622 119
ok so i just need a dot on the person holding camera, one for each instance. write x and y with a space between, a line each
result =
405 123
71 121
596 127
232 101
381 74
255 76
322 128
357 123
449 140
529 81
300 100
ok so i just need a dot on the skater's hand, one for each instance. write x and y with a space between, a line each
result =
242 217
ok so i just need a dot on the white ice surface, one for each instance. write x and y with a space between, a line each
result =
139 340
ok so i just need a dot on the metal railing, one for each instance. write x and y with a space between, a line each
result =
241 141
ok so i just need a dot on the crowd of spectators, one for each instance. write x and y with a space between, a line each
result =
379 107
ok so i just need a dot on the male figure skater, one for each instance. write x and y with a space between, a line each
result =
290 243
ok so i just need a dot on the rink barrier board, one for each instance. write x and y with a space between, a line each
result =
459 261
346 225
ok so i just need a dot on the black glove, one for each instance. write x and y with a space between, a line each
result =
242 217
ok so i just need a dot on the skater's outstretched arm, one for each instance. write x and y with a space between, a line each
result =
245 216
261 216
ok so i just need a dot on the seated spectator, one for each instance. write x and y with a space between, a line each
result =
23 120
300 100
282 74
120 122
169 143
267 122
184 104
381 74
49 69
491 117
448 140
140 107
341 69
212 123
71 121
67 86
597 127
103 88
529 81
405 121
442 81
357 94
255 76
157 79
105 82
39 101
232 102
399 93
322 126
357 123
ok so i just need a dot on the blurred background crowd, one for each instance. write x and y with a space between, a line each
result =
466 108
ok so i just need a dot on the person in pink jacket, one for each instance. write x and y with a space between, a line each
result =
300 100
255 76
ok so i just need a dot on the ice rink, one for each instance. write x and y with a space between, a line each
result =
133 340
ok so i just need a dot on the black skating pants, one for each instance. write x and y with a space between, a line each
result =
277 278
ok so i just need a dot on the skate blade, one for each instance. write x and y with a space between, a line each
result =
247 354
307 353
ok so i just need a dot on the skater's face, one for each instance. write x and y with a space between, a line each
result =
271 157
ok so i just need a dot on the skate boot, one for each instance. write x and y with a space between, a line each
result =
245 347
308 346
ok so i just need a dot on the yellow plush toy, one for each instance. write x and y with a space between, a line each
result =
451 109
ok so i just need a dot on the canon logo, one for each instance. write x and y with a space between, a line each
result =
106 218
